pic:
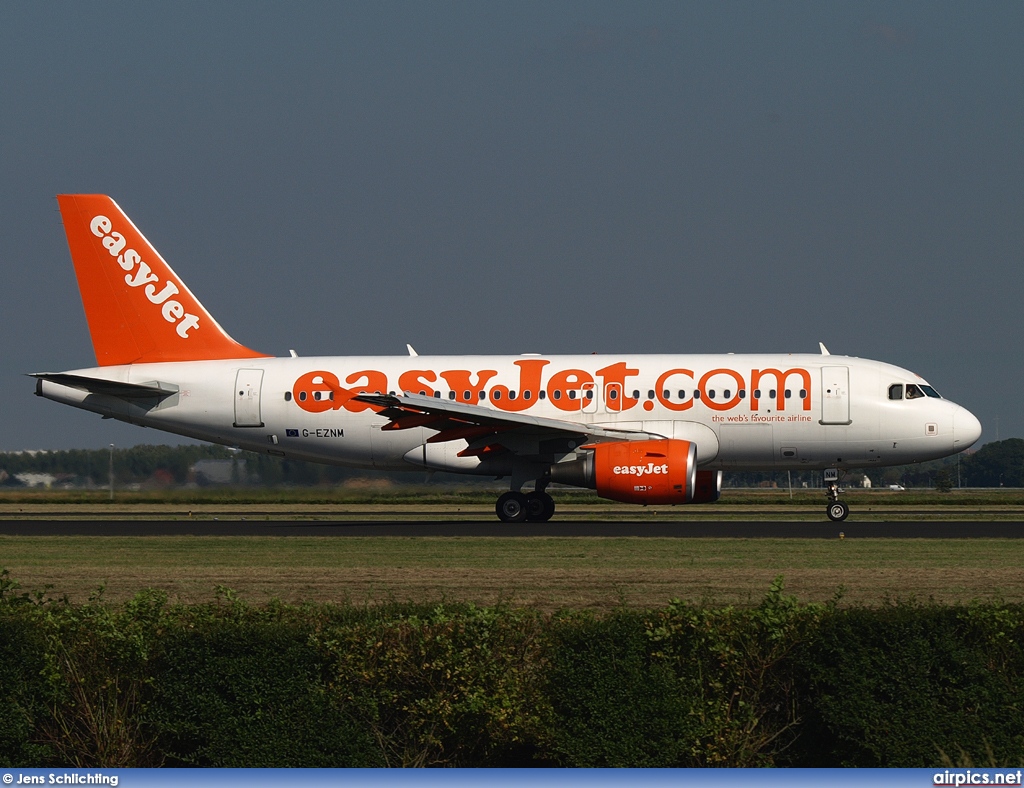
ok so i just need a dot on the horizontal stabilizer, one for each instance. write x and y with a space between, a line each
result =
112 388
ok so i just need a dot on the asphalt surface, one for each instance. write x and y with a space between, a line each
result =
678 530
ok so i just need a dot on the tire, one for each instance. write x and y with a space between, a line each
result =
838 511
539 507
511 507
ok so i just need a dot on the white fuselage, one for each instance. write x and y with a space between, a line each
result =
767 412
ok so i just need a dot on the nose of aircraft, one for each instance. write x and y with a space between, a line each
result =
966 429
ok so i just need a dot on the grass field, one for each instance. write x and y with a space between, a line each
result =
550 573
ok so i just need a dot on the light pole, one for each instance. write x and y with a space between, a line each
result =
111 471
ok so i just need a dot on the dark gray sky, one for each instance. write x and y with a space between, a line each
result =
556 177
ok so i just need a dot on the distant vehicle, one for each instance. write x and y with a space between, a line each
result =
897 487
644 429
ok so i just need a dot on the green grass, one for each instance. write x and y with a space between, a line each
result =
551 573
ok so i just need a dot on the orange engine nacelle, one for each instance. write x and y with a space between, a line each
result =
646 472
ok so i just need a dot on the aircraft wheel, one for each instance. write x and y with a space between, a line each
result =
838 511
511 507
539 507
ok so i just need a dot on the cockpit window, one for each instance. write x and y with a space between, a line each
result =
896 391
914 391
931 392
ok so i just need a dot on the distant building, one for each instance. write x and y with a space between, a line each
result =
36 479
231 471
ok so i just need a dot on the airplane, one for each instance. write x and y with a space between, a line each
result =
645 429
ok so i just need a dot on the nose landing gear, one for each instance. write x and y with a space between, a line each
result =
836 510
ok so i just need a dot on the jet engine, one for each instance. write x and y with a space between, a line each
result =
709 487
645 472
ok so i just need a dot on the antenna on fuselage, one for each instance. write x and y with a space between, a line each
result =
824 350
409 347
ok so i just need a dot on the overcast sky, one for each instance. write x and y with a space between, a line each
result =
556 177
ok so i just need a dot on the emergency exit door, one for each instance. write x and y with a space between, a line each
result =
247 398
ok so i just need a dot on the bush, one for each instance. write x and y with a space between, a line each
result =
912 686
454 686
248 690
22 688
740 668
612 703
781 684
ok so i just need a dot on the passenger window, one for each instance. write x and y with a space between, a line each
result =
789 394
572 393
696 394
496 394
711 394
483 395
437 395
512 395
913 392
896 391
743 393
287 396
451 395
771 394
650 394
466 395
757 393
727 393
590 394
666 394
557 394
541 394
527 394
636 393
613 395
682 394
803 393
302 396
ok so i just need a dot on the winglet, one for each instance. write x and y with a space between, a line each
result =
824 350
137 308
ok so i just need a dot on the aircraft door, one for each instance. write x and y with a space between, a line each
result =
248 383
835 395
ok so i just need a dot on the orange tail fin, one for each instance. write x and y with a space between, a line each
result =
137 308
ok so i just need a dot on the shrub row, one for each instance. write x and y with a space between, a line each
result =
227 684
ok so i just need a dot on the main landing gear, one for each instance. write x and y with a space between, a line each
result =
837 510
517 507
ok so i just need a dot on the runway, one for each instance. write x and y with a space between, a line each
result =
727 529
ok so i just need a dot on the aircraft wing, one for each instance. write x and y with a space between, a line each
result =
112 388
483 426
